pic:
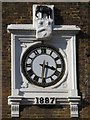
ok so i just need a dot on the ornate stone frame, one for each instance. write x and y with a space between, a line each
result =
23 93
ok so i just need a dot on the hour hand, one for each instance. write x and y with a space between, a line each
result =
50 67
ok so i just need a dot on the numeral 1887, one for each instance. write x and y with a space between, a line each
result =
46 100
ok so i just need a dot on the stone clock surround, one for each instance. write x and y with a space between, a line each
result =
63 37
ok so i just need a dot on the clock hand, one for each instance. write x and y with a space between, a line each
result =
43 69
50 67
46 70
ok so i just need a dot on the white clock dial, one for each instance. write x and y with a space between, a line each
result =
48 67
43 65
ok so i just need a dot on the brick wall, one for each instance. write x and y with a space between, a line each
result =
67 14
0 61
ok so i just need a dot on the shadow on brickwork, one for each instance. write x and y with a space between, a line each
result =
41 106
82 38
22 107
35 109
82 35
57 17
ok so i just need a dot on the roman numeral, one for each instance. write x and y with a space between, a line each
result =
56 58
36 78
36 52
30 58
30 72
51 53
28 65
44 80
43 50
51 78
57 73
59 65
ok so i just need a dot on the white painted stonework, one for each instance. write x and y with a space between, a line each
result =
45 30
65 91
42 22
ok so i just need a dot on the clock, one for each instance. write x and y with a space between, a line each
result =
43 65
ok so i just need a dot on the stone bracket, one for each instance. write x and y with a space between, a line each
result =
74 110
14 102
15 109
74 101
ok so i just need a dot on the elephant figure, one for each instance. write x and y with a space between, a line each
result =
44 10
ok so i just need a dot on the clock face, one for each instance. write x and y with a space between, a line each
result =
43 65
